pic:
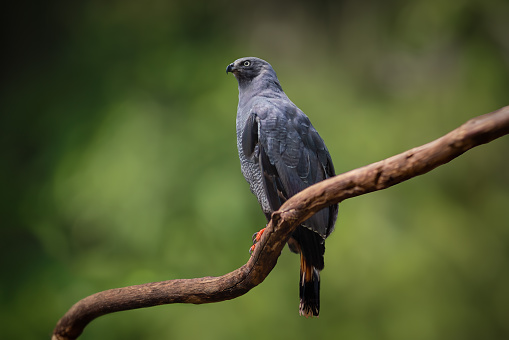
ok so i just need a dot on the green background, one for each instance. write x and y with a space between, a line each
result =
119 164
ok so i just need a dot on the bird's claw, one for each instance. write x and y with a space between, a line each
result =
256 238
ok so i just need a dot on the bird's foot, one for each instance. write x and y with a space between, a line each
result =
256 237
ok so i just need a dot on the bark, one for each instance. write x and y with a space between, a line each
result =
373 177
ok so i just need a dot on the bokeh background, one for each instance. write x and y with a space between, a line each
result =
119 165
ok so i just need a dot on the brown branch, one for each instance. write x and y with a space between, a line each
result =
373 177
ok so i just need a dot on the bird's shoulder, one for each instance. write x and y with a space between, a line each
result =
278 113
285 133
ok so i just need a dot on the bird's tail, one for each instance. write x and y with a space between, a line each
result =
309 289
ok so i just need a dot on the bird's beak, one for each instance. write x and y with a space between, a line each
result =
230 68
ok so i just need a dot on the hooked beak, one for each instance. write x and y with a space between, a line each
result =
230 68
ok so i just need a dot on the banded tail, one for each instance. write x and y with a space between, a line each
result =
309 289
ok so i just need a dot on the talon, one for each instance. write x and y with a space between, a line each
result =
254 237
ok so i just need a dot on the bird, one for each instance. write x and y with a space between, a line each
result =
281 154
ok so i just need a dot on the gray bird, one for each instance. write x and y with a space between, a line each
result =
281 154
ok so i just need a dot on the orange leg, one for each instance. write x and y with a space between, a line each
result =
256 238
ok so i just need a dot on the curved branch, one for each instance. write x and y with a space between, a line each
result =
373 177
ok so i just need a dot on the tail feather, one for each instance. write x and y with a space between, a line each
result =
309 289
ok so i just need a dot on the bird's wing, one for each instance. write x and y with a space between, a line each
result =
291 156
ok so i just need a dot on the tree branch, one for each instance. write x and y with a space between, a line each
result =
373 177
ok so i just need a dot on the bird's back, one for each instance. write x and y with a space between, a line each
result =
295 154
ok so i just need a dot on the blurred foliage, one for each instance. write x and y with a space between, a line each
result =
119 164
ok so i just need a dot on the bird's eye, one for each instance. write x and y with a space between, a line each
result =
247 63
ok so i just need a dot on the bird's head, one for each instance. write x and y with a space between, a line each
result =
246 69
250 68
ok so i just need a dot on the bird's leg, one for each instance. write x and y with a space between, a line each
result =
256 237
